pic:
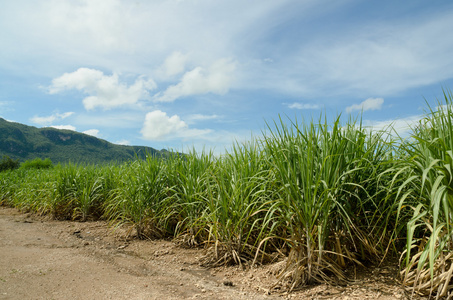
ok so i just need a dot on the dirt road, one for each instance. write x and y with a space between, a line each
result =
69 260
46 259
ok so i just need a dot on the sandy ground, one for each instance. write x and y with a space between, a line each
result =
46 259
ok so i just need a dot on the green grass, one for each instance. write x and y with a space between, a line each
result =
426 196
328 196
138 199
324 195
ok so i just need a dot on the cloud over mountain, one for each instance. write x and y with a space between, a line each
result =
159 126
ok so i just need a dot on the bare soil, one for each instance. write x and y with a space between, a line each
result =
48 259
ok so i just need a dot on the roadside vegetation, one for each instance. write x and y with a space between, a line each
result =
7 163
324 195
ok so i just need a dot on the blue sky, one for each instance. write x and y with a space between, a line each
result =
198 73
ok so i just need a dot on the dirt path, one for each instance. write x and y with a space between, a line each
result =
69 260
45 259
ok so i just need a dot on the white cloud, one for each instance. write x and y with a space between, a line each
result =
67 127
104 91
368 104
50 119
442 108
65 115
43 120
158 126
122 142
200 117
92 132
99 21
401 126
174 64
217 79
297 105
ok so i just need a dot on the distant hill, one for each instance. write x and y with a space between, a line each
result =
23 142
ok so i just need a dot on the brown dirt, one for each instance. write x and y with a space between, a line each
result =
47 259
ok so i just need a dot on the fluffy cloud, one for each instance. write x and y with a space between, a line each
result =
297 105
92 132
104 91
159 126
216 79
50 119
368 104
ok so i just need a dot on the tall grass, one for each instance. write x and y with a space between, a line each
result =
138 199
326 196
327 175
427 191
189 178
240 203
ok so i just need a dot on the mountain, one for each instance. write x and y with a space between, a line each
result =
23 142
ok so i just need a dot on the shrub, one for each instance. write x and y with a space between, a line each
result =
37 163
8 163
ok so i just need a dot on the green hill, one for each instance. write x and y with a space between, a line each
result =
23 142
